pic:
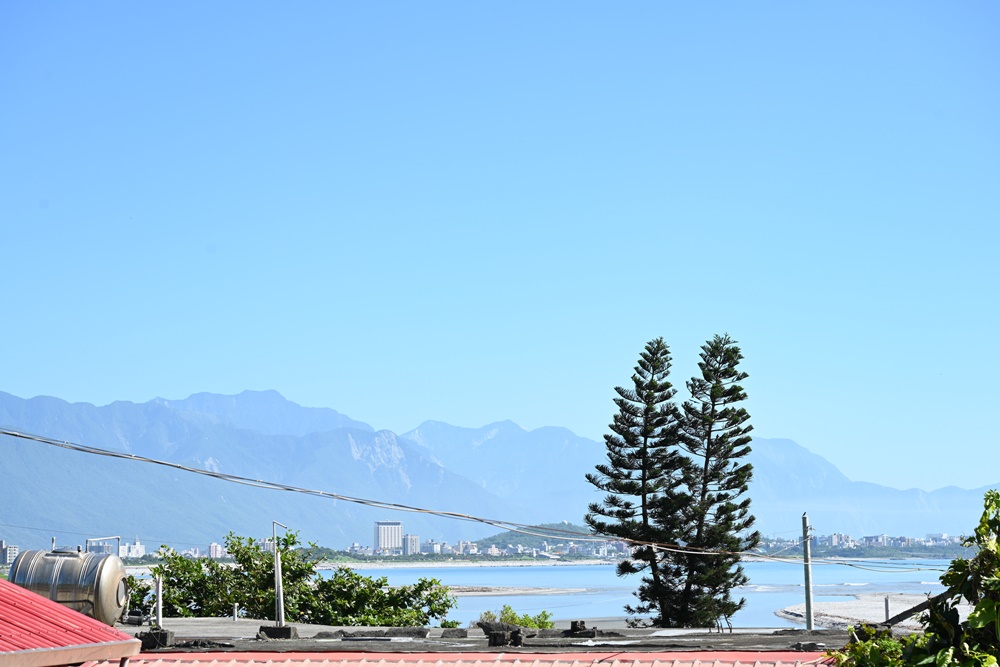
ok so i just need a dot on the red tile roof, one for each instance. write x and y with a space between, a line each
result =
35 632
658 659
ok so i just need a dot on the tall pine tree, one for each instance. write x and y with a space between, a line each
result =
642 478
715 433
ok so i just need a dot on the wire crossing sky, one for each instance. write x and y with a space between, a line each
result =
521 528
472 213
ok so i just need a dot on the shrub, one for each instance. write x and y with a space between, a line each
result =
507 614
203 587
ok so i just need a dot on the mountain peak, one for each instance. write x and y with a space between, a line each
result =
265 411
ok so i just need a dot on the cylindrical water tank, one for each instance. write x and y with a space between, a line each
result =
92 584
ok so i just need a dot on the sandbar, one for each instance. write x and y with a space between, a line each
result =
868 608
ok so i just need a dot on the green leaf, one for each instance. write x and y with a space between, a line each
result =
984 614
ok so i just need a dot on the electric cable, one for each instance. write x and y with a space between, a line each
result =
521 528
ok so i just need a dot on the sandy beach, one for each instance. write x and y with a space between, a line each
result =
860 609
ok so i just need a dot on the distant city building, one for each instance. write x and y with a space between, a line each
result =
133 550
466 548
431 547
356 548
216 551
841 540
8 553
388 536
876 540
411 545
101 548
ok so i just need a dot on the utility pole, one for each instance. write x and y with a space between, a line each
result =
808 571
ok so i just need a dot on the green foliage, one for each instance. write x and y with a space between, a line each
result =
203 587
540 621
138 593
450 624
349 598
881 649
947 641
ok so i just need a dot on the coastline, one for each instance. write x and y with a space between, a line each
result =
867 608
432 565
476 591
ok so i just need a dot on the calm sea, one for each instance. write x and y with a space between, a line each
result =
773 586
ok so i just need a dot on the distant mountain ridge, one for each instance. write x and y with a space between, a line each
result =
54 490
496 471
517 465
265 412
789 480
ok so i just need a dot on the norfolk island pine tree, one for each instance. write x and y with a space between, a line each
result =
715 433
644 470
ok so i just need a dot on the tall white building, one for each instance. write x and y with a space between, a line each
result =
134 550
8 553
411 545
216 551
388 535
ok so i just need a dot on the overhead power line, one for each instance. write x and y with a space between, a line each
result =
524 529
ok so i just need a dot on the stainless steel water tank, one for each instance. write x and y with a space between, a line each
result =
92 584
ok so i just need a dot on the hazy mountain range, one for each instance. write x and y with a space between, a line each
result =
499 471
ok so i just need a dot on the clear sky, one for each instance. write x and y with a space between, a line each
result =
471 211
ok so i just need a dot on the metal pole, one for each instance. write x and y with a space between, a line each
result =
280 602
808 571
109 537
279 593
159 602
886 608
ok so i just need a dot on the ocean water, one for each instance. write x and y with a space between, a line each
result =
773 586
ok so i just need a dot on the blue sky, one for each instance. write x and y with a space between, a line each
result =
471 212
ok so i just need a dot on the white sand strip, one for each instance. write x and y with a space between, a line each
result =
868 608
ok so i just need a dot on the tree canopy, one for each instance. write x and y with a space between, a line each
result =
204 587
